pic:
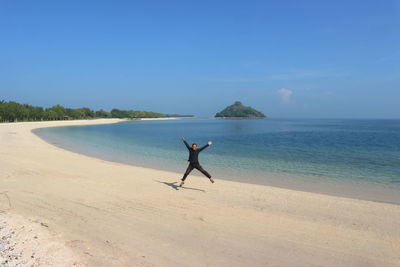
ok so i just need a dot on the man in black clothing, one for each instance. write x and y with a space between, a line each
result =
194 160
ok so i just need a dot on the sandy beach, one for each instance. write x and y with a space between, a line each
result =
68 209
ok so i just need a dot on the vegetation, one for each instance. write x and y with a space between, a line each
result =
179 115
134 114
13 111
237 110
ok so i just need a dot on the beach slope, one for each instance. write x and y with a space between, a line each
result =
109 214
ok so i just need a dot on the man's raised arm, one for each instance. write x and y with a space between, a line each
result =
186 144
208 144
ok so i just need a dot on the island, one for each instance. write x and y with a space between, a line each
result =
239 111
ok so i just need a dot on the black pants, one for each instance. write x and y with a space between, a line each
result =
195 166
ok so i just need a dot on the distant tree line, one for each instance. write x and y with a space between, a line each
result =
13 111
134 114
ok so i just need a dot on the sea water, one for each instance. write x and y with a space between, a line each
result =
344 154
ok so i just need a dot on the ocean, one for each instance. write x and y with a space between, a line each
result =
349 157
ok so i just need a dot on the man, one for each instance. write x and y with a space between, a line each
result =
194 160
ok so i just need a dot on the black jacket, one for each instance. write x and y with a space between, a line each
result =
194 154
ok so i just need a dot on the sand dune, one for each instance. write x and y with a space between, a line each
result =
101 213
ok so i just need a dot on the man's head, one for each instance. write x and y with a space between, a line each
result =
194 146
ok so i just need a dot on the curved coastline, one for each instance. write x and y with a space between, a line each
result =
109 213
341 188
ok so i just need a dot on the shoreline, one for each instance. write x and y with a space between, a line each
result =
110 213
360 190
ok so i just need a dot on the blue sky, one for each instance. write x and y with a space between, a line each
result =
286 58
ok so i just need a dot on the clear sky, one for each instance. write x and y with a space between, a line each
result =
285 58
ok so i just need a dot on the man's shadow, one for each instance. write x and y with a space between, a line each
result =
175 186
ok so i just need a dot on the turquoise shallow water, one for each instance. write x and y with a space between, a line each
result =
317 150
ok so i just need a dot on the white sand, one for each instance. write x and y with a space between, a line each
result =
27 242
101 213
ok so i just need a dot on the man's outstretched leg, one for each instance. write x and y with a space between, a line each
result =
188 170
203 171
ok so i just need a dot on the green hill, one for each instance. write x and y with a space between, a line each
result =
238 110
